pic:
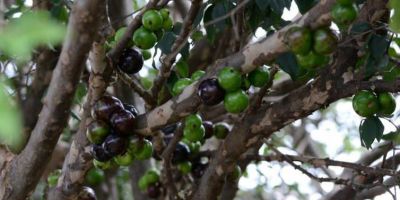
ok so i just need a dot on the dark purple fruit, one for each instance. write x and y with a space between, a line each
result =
87 193
153 191
198 169
99 153
210 92
208 126
123 122
115 145
181 153
130 61
170 129
105 106
131 109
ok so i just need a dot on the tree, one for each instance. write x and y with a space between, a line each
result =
206 101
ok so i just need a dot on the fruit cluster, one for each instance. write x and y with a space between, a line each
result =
150 182
230 87
367 103
195 131
154 24
111 134
312 48
344 12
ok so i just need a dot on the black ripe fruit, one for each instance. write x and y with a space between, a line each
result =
181 153
170 129
105 106
132 109
115 145
208 126
123 122
198 169
87 193
210 92
99 153
130 61
153 191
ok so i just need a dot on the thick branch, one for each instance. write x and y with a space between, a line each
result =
24 171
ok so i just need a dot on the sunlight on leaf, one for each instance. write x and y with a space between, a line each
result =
395 20
23 34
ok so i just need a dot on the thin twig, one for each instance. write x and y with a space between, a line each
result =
179 43
167 156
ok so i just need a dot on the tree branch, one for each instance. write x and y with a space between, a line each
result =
25 170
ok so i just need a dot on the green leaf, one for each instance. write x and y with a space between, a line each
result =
392 136
182 68
166 42
392 74
370 129
305 5
278 5
22 35
360 27
395 19
262 5
288 63
378 45
80 93
10 120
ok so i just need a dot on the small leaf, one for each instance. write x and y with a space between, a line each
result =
305 5
392 136
360 27
288 63
166 42
378 45
370 129
392 74
395 19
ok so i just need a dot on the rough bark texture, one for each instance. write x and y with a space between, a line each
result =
21 176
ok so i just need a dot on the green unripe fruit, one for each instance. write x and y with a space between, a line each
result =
185 167
344 15
193 121
365 103
197 75
168 24
299 40
102 165
149 178
259 77
97 132
325 41
345 2
236 102
52 179
229 79
152 176
180 85
311 60
194 134
182 68
146 54
236 174
124 160
164 13
118 35
144 151
144 38
94 176
197 35
152 20
221 130
387 103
